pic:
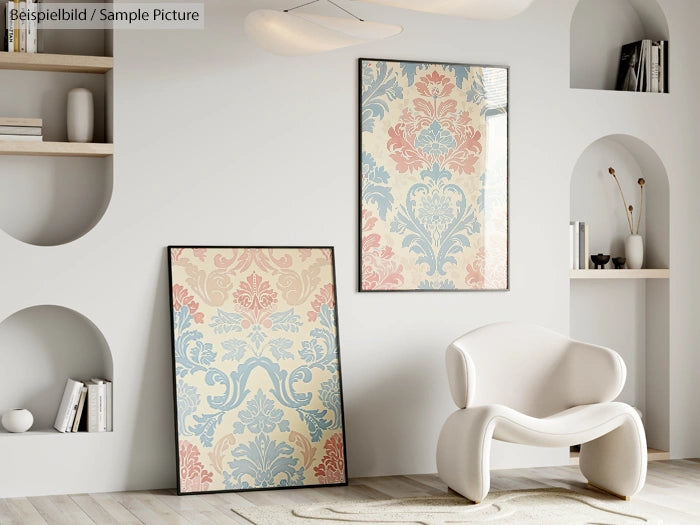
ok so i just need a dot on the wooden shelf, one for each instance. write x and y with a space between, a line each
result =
56 149
620 274
49 62
652 455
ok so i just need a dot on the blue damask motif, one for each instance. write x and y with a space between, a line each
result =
225 322
319 352
330 397
461 73
286 321
187 404
437 285
375 188
263 463
259 416
435 140
437 219
191 353
410 70
376 88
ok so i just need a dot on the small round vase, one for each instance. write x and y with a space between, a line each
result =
634 251
80 115
17 420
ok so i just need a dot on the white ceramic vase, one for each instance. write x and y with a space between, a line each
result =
80 115
634 251
17 420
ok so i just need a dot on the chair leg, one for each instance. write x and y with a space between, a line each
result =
463 454
617 462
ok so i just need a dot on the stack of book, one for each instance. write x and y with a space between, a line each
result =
20 129
85 407
578 239
644 67
21 28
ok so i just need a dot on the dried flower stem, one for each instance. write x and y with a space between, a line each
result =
641 204
629 222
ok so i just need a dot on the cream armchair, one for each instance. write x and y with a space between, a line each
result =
525 384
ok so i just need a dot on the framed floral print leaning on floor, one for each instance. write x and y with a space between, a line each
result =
433 176
256 367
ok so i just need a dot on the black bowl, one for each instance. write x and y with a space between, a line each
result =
600 260
619 262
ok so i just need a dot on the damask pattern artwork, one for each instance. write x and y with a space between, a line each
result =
434 176
258 400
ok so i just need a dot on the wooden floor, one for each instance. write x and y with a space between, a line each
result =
672 491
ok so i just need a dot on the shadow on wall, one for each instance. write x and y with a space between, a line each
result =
152 451
376 430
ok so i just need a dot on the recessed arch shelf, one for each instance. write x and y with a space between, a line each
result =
599 29
53 200
627 310
40 347
595 197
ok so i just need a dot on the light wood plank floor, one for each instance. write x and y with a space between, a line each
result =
672 492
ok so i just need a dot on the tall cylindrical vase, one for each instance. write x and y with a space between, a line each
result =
80 115
634 251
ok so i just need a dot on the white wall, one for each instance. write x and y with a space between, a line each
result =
218 142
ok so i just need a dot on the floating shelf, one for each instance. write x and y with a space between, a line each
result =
56 149
620 274
60 63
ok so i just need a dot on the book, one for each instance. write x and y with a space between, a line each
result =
571 245
69 405
663 67
655 58
108 405
14 121
9 27
15 25
97 405
32 28
575 245
586 251
80 409
21 138
630 67
22 27
19 130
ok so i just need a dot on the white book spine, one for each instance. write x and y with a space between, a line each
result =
10 26
31 27
93 404
21 138
576 245
23 27
101 413
655 67
571 246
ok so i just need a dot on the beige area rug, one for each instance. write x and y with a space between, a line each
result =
527 507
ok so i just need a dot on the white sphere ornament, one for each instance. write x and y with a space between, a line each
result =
17 420
80 115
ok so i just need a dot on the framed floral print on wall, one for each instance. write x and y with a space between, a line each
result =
433 176
256 367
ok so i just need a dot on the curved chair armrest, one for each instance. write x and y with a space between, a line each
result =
592 374
460 375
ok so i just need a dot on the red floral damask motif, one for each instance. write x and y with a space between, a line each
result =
379 271
193 476
256 296
182 298
332 466
460 157
325 296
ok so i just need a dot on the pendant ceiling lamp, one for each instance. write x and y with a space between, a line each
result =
475 9
287 33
